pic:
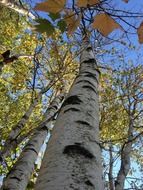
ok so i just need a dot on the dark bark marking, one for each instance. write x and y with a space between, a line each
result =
91 75
90 61
89 48
85 81
56 107
72 150
77 143
72 109
72 100
90 88
84 123
28 148
88 182
14 177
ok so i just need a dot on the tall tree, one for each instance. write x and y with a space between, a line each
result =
19 175
73 156
122 100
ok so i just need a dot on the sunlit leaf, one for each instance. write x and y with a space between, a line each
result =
72 22
44 26
53 6
140 33
85 3
105 24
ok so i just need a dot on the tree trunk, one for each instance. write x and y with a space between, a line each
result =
11 141
13 5
73 157
110 175
20 174
125 160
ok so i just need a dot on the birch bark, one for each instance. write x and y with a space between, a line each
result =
13 5
11 141
125 160
19 176
110 175
73 156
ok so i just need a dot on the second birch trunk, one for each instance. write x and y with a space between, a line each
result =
20 174
125 160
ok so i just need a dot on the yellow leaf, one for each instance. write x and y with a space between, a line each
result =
84 3
72 22
104 24
53 6
140 33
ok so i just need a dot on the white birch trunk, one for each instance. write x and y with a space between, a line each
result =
110 175
125 160
73 157
11 4
19 176
11 141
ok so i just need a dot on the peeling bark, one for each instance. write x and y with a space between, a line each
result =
73 157
20 174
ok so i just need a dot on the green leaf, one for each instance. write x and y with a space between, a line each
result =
44 26
54 16
62 25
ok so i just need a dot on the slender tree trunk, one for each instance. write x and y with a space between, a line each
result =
125 160
110 175
19 176
73 157
11 4
11 141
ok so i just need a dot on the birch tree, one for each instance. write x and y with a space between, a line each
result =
102 20
19 175
17 7
119 132
130 85
73 156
